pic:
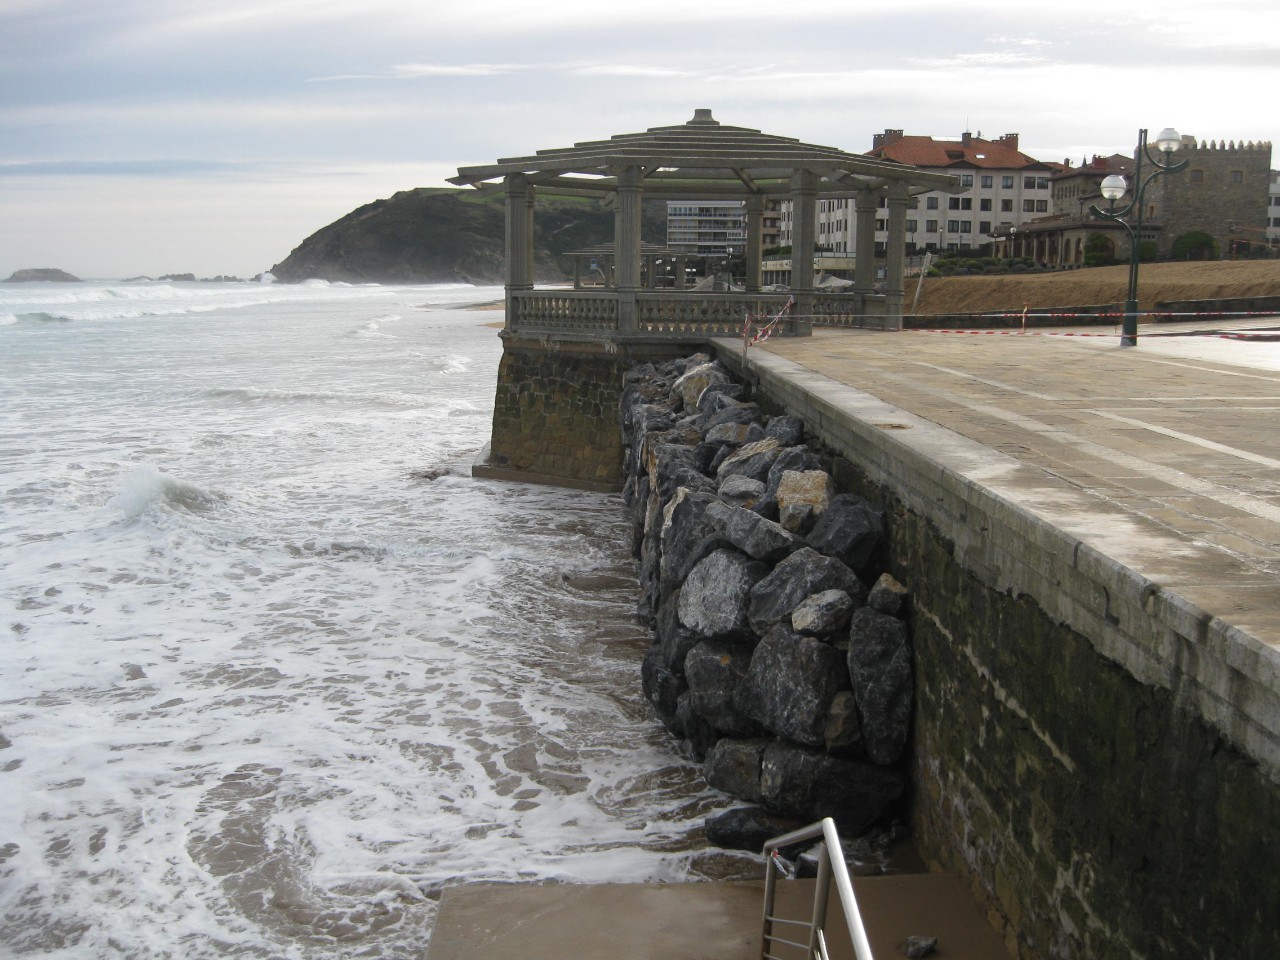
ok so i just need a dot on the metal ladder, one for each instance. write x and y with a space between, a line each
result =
830 864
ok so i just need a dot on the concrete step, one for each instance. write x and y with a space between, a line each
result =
697 921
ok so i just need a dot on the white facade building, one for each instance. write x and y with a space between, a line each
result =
1001 188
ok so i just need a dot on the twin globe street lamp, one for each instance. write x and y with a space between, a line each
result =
1113 188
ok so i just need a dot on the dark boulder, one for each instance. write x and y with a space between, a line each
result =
843 733
823 614
751 533
812 785
662 688
787 430
796 578
673 638
888 596
790 685
699 736
687 535
733 767
714 668
750 828
880 670
753 460
849 529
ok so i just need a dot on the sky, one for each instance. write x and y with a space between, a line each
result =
141 137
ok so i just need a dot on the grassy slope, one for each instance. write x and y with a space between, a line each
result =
1157 282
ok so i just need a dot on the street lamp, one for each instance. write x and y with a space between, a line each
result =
1113 188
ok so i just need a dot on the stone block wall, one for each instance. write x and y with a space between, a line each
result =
1072 758
555 417
1223 185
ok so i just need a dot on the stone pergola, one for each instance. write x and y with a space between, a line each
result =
703 159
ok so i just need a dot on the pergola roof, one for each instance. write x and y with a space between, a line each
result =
701 159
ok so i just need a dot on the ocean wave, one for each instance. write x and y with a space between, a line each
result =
265 394
146 487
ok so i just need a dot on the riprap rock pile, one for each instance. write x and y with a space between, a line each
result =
773 661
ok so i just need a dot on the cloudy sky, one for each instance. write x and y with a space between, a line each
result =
212 136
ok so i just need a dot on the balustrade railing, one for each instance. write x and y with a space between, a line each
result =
567 311
700 315
681 315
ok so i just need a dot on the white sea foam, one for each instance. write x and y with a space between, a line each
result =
274 667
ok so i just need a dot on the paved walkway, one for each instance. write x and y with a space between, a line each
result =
1175 443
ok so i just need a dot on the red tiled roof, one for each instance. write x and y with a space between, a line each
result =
928 152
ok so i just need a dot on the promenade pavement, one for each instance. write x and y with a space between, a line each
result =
1172 446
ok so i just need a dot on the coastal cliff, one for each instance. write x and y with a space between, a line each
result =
430 235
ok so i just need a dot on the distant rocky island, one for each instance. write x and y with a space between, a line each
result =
435 235
46 274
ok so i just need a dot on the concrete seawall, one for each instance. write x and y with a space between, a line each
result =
1097 740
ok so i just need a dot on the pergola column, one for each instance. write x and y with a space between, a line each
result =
519 242
626 246
895 256
804 235
864 245
755 240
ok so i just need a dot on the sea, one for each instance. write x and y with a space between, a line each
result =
274 668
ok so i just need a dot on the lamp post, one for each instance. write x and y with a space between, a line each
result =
1113 188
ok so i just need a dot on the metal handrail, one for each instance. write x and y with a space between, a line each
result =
830 863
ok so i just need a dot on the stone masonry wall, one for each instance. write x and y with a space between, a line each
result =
555 411
1094 814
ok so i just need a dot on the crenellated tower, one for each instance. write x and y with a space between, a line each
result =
1223 191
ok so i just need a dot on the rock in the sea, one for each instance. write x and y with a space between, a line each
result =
812 785
748 828
45 274
799 576
673 638
699 736
714 597
880 669
790 685
687 536
742 491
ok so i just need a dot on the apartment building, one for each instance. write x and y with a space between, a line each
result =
1273 209
1002 187
706 228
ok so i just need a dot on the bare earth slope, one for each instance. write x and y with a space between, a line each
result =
1157 282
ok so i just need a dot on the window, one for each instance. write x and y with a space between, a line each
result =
1007 181
960 203
931 226
914 204
882 225
984 204
986 180
1006 206
1197 176
1275 221
966 226
1028 183
911 226
931 203
1028 206
1237 176
1042 206
953 226
966 179
984 227
1042 183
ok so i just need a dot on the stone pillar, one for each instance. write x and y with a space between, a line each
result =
804 234
895 256
864 246
682 264
519 249
755 241
626 247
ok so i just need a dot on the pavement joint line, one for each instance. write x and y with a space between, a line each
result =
1199 441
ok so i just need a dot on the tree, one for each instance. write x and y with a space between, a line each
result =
1099 250
1196 245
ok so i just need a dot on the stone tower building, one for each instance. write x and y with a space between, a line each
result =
1223 189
